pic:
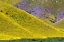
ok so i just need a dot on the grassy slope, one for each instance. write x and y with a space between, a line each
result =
59 25
30 23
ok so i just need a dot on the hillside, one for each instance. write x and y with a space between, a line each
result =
11 30
41 8
37 27
59 25
14 2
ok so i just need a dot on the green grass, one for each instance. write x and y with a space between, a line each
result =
57 39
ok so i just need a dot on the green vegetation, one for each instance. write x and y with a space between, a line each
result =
57 39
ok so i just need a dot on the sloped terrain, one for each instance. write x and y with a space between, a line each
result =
11 30
36 8
59 25
37 27
31 26
25 3
41 8
60 16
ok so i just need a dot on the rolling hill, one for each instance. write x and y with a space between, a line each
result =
21 22
59 25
